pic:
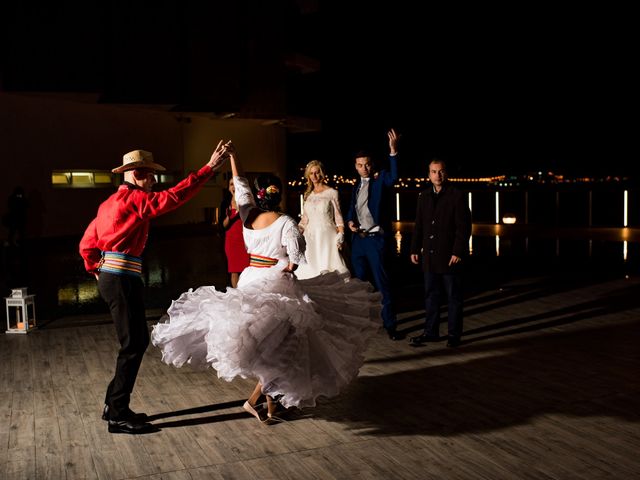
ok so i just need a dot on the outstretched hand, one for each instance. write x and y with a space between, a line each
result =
220 154
393 141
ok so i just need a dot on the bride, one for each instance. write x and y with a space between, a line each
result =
321 225
299 339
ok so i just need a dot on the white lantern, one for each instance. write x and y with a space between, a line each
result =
21 311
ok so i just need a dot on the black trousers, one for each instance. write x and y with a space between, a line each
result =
436 287
124 295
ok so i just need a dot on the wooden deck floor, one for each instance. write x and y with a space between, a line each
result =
544 387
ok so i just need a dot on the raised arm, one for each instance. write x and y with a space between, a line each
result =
393 142
244 197
394 138
158 203
236 167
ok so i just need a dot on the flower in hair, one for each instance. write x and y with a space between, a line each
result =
261 193
271 189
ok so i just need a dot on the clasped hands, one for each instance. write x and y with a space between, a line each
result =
221 153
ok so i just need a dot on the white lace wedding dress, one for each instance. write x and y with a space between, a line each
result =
320 218
301 339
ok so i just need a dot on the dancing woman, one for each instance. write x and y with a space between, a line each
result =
300 340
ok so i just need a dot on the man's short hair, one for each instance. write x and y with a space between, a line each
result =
440 161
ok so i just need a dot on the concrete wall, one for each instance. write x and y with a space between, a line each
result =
39 135
260 149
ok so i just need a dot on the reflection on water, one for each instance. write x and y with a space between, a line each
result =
156 275
166 277
398 237
80 292
85 291
172 265
175 264
516 246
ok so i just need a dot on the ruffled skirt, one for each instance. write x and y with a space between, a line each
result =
302 339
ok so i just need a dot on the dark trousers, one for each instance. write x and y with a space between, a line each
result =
124 295
370 251
435 286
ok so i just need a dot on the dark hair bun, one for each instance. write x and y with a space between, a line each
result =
268 191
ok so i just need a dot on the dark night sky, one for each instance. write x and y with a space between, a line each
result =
491 89
501 91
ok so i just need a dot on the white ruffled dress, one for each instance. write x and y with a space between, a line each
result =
302 339
320 221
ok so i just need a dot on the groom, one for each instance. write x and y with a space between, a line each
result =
369 218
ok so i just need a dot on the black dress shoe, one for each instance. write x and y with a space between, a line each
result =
131 427
394 334
453 342
128 415
420 339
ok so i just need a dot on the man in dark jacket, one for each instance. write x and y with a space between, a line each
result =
441 236
369 218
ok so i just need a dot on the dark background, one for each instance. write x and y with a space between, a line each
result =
491 89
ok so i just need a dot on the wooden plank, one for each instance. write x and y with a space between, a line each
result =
552 403
177 475
21 430
22 365
104 453
48 448
21 463
133 457
41 370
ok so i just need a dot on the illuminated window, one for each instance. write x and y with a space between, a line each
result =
95 179
164 178
82 179
103 177
58 178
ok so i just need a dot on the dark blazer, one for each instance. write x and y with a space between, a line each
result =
379 203
442 229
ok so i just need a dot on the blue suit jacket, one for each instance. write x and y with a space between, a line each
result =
379 202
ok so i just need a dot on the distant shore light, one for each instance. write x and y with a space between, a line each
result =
509 219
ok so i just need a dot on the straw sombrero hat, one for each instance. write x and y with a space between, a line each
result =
138 159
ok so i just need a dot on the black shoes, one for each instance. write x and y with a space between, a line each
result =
128 415
130 422
394 334
453 342
131 427
422 339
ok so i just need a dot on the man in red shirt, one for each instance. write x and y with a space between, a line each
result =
111 248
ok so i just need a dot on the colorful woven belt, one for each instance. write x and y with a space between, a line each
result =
260 261
120 264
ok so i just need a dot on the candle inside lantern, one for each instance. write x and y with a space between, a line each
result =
20 325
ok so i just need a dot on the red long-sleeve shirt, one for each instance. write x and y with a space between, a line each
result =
122 222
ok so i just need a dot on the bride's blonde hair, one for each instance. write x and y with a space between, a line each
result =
307 169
